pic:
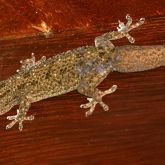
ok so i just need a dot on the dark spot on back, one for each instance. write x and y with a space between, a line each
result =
5 93
26 75
2 84
21 86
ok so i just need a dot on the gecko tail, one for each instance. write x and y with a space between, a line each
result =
139 58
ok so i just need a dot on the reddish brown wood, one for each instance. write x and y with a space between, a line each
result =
131 133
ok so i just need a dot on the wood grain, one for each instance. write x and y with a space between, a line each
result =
132 133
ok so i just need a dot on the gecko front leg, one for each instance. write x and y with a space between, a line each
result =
21 115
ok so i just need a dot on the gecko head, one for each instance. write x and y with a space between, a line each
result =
7 99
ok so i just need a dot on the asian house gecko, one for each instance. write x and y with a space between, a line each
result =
81 69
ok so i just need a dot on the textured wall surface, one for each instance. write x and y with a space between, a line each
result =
133 132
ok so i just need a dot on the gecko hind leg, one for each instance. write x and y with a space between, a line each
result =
103 42
20 116
97 99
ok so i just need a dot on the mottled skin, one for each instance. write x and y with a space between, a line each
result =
81 69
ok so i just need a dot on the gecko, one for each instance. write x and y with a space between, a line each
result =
81 69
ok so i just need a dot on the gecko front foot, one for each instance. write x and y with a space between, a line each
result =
92 102
19 118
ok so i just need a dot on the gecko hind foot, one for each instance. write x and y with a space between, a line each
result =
30 62
125 28
92 103
19 118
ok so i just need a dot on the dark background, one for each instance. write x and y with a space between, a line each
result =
132 132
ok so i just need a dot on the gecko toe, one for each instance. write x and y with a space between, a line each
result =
11 117
88 113
20 126
31 117
11 124
87 105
